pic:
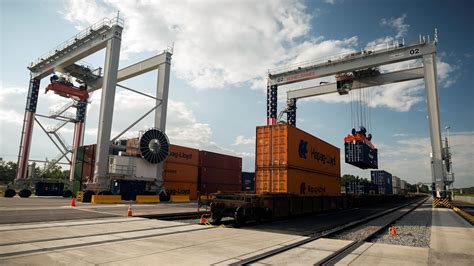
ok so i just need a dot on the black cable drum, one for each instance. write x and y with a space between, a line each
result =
154 146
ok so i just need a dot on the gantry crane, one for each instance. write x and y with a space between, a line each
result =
106 34
363 62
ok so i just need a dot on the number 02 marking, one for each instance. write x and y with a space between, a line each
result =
414 51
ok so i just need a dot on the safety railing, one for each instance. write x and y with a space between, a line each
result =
105 22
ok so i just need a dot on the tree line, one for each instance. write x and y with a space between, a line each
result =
8 172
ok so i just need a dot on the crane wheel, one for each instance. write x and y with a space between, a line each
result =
87 197
24 193
67 194
9 193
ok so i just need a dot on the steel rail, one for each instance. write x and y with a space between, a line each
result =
346 250
317 236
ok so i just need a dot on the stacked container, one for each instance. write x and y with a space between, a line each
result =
84 164
289 160
180 171
248 181
219 172
396 186
383 180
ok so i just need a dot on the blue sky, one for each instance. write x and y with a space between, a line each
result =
223 50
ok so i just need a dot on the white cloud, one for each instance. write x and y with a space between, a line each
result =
332 2
216 44
242 140
409 158
398 24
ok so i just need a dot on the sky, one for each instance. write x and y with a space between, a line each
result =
222 53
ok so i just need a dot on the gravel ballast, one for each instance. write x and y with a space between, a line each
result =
414 229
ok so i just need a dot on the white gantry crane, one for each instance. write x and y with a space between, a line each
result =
364 61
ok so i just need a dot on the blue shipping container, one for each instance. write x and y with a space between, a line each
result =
383 180
248 181
361 155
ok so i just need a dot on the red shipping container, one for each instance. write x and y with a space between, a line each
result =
207 188
216 160
220 176
89 153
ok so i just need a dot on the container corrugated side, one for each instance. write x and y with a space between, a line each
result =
288 146
208 188
296 181
220 176
181 188
178 172
183 155
217 160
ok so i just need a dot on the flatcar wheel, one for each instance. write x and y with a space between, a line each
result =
239 216
10 193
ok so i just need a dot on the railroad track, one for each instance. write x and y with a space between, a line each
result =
174 216
344 251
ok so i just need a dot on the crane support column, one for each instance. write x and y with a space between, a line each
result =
78 136
27 131
162 88
272 98
106 111
429 62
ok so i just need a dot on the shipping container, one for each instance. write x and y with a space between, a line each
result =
183 155
361 155
287 146
89 153
396 187
208 188
248 181
128 189
181 188
220 176
132 147
49 188
179 172
296 181
383 180
216 160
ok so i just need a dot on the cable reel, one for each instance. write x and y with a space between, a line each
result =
154 146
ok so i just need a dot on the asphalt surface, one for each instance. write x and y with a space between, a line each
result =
39 209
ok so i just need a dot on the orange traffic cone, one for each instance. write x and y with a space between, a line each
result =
394 231
203 220
129 213
73 202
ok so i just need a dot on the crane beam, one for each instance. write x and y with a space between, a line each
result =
382 79
351 62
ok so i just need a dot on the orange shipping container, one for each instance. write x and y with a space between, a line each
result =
287 146
183 155
132 147
182 188
178 172
296 181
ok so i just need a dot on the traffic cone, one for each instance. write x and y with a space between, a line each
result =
203 220
129 213
73 202
394 231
